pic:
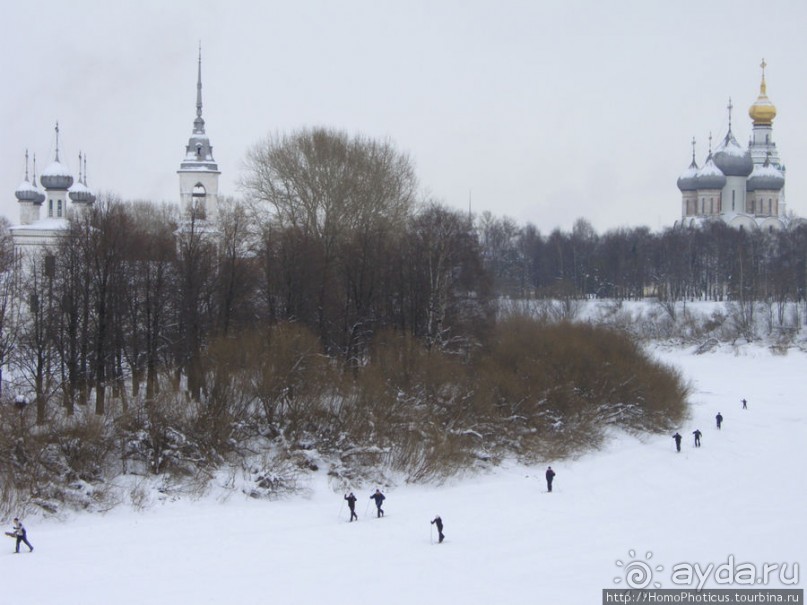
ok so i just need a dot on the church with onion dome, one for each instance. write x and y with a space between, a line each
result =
742 186
47 205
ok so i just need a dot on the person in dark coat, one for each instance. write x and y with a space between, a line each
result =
379 498
21 534
351 504
677 438
550 476
745 404
439 523
697 434
719 419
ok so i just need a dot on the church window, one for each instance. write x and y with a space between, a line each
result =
59 208
198 200
50 208
50 266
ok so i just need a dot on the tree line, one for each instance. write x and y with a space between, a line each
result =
713 262
331 236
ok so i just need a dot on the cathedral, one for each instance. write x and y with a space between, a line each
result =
45 206
745 188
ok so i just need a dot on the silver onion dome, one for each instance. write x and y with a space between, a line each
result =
710 176
732 159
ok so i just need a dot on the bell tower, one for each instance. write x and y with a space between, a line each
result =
198 172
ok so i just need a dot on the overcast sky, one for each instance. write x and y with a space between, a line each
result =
541 111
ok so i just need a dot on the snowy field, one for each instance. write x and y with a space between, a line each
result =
741 494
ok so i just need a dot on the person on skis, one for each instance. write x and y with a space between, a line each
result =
21 535
379 498
550 476
719 420
677 438
697 434
745 404
351 504
439 523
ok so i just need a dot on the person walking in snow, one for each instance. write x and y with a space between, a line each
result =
550 476
351 504
379 498
697 434
719 419
745 404
439 523
677 438
21 535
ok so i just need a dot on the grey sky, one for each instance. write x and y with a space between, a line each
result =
542 111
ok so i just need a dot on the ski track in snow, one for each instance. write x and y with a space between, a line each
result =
507 540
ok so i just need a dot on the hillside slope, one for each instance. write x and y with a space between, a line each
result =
508 541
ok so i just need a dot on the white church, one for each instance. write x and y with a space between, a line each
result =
45 206
745 188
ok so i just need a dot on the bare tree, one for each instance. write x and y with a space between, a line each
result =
326 198
9 307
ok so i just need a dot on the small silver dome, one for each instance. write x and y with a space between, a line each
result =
710 176
688 181
26 192
80 193
765 178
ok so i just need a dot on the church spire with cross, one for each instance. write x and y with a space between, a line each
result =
763 112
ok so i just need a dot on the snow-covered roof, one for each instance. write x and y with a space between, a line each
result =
56 168
766 177
26 192
710 176
45 224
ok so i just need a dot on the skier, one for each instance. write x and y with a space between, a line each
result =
351 504
379 498
550 475
677 438
21 535
697 434
439 523
745 404
719 419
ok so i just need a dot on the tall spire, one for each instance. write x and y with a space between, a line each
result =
730 107
57 141
199 123
26 165
763 87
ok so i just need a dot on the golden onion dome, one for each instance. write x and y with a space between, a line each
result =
762 111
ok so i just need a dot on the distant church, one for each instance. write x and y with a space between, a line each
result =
46 206
745 188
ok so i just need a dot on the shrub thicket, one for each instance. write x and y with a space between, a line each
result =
274 405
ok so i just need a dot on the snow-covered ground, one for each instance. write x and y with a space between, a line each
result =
741 495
